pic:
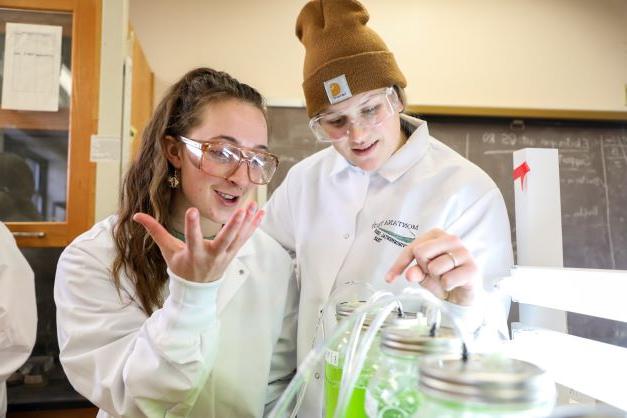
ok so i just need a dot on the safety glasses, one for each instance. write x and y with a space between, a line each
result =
369 113
221 159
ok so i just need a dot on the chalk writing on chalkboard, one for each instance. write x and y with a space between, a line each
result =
593 161
593 174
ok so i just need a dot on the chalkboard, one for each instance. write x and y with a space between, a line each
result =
593 177
593 172
290 139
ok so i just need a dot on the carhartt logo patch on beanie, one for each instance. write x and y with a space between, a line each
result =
337 89
343 56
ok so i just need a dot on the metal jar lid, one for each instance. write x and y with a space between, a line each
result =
486 379
345 309
420 341
407 319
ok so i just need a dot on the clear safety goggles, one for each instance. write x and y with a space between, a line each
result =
371 112
221 159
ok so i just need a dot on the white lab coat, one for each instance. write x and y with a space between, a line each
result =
222 349
18 311
346 224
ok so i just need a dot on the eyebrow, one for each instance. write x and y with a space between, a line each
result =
236 142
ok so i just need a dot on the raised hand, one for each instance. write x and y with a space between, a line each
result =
443 266
198 259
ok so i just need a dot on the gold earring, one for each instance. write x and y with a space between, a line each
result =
173 179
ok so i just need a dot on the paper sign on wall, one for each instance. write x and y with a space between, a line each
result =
105 148
32 62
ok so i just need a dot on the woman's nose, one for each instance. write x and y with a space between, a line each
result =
357 132
240 175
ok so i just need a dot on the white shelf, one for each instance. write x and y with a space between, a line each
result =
597 369
599 293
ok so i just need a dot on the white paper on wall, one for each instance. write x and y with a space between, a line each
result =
105 148
32 62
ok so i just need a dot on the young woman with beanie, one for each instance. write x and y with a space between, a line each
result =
386 197
177 306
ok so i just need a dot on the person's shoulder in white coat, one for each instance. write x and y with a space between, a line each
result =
18 310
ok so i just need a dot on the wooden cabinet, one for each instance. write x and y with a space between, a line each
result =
56 413
142 90
46 179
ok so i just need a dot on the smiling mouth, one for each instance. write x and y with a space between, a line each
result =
227 199
365 150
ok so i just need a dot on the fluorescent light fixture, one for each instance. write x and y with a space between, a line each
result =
596 369
599 293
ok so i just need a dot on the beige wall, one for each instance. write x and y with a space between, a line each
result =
110 106
561 54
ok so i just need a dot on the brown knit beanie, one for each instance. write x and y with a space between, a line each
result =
343 57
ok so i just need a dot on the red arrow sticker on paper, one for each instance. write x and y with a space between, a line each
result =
520 172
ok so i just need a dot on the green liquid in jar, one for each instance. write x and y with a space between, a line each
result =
393 391
404 404
452 409
332 381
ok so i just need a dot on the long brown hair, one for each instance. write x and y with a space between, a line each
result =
145 188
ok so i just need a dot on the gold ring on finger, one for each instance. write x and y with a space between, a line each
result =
450 254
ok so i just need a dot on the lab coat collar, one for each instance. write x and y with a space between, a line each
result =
339 164
235 275
409 153
247 249
402 160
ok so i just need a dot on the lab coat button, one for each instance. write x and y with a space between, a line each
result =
347 236
317 376
241 271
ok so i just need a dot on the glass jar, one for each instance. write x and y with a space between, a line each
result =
586 411
393 391
484 386
334 361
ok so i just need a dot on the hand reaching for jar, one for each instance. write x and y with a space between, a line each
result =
442 265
